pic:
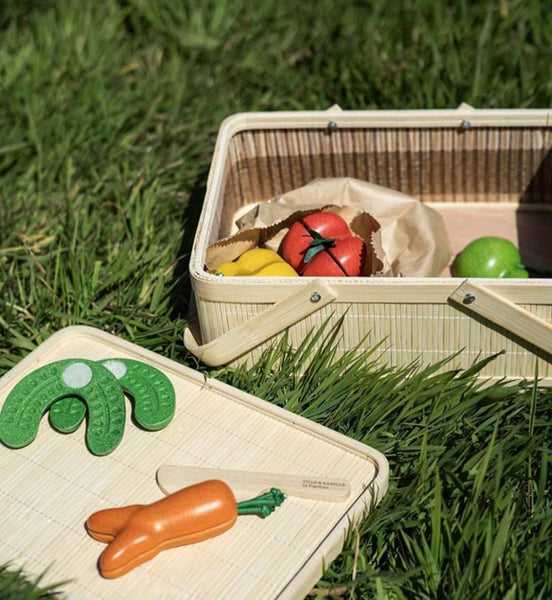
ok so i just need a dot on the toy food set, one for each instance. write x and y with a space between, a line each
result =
418 188
341 227
174 485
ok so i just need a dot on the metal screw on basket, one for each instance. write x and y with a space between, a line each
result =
465 124
316 297
468 299
332 126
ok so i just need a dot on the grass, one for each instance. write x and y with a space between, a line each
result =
110 112
15 584
468 513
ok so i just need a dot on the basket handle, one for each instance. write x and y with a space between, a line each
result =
504 313
280 315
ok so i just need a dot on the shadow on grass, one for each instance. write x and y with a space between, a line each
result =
182 291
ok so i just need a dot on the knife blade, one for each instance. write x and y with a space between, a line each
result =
247 484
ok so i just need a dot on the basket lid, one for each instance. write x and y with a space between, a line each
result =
51 486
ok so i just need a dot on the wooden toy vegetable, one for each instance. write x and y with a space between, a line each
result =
151 390
257 262
321 244
137 533
71 388
34 394
490 257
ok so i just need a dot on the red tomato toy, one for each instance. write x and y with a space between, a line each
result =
322 245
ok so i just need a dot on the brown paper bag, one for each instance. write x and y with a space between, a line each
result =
403 236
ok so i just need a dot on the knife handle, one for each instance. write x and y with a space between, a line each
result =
246 484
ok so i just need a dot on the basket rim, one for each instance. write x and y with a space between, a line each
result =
463 117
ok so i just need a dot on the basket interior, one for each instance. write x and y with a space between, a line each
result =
508 167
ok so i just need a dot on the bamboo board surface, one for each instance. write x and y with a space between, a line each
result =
51 486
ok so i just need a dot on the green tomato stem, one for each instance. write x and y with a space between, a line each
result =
318 244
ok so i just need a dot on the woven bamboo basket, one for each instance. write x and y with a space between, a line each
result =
485 165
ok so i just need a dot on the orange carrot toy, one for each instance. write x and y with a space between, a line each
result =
139 532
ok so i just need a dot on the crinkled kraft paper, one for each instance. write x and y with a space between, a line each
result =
404 237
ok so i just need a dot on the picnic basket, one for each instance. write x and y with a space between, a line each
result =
485 165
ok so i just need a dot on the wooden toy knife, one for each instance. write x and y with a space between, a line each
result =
246 484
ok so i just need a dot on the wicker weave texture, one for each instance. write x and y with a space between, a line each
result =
500 166
50 487
433 165
408 332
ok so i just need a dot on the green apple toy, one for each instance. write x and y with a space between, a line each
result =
490 257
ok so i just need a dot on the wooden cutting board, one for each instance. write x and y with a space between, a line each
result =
52 485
